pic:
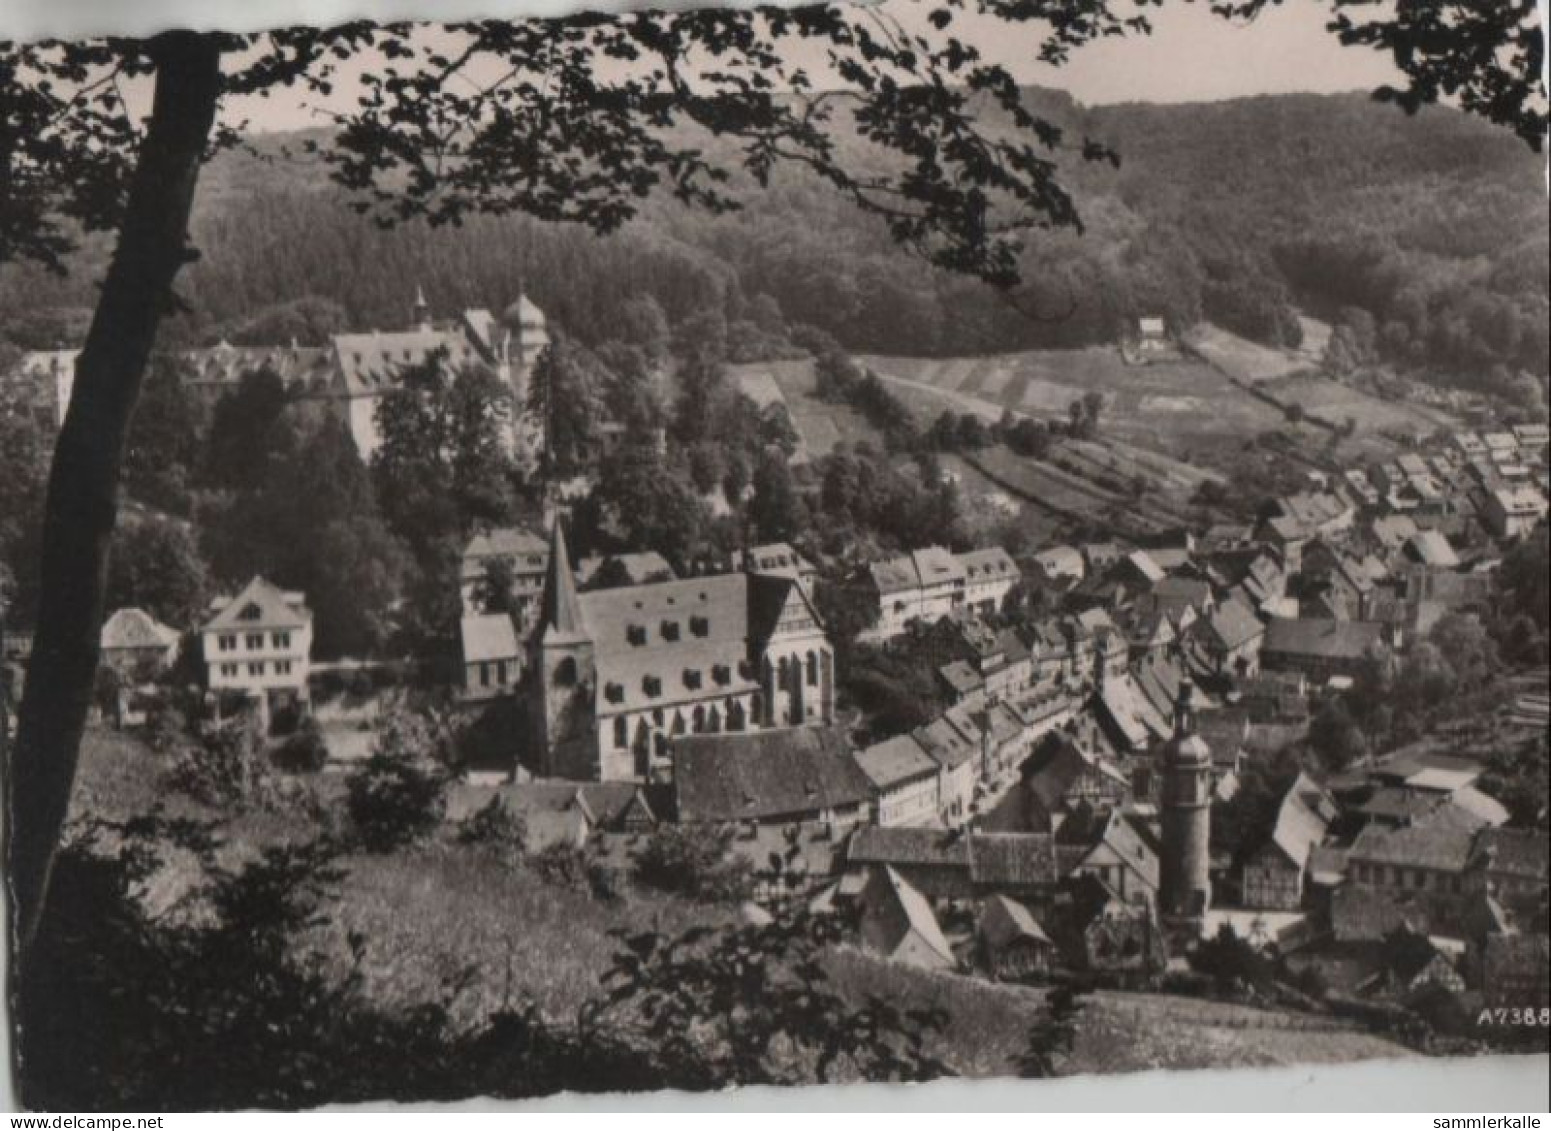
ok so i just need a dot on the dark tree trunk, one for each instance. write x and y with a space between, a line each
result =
83 482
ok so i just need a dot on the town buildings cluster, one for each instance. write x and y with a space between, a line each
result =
1062 800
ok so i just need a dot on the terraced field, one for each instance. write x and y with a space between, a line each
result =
1166 406
1244 360
1082 481
1335 402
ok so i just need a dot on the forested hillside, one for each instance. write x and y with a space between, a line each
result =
1423 239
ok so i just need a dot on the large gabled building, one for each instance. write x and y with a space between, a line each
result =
259 643
927 585
351 373
617 673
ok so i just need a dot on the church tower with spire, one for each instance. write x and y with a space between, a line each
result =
563 671
1185 890
420 313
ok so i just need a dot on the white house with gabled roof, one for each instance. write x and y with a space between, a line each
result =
260 643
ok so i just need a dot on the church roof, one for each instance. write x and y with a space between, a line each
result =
562 613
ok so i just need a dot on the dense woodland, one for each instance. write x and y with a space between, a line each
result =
1423 239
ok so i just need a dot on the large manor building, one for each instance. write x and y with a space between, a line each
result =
349 375
616 673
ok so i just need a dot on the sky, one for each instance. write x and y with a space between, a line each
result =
1191 56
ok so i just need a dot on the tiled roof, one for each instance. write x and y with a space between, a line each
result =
666 630
261 605
1137 720
1143 563
1003 921
374 363
1515 852
1056 763
960 677
1359 914
873 844
1130 839
765 774
506 541
1302 819
916 570
1012 859
1233 624
888 884
489 637
136 629
990 564
1442 840
1325 639
1432 548
775 557
946 744
640 567
895 761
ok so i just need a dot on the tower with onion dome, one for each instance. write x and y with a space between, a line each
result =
1184 890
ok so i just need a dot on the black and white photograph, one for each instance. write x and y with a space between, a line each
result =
682 549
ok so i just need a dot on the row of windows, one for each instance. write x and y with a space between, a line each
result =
1399 877
498 668
254 641
255 668
702 720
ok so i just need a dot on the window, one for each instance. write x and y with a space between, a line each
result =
256 668
226 643
484 675
281 639
229 669
250 611
651 685
283 667
692 678
255 641
621 732
635 635
670 630
565 672
722 674
813 670
614 692
700 626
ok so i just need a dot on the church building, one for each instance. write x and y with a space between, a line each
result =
617 673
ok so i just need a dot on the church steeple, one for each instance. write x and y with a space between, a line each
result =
420 314
562 610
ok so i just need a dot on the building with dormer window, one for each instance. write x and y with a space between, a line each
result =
618 673
259 643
